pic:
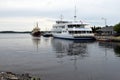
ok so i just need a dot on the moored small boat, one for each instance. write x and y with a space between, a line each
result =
47 34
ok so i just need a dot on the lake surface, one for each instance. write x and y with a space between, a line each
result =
57 59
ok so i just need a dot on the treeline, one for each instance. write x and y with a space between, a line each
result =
20 31
15 32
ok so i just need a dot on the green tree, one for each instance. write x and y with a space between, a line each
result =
117 28
94 29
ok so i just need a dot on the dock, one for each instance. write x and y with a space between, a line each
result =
108 38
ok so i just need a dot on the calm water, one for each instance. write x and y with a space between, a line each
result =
56 59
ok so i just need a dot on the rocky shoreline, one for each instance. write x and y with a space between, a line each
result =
14 76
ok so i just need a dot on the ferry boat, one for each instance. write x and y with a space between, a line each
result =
36 31
72 31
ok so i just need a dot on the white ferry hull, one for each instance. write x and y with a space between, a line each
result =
71 37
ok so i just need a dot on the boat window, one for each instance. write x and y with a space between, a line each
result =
64 31
83 31
89 31
56 31
79 32
59 26
59 32
62 26
74 32
76 26
70 32
55 26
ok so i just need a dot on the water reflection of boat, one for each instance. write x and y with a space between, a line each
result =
36 42
36 31
69 48
112 45
106 44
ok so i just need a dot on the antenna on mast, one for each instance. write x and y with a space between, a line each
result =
75 16
61 17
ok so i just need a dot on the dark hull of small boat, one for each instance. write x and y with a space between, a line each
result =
47 35
36 34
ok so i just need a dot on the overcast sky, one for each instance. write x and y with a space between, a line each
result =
21 15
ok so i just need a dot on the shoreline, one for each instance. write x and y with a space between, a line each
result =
15 76
108 38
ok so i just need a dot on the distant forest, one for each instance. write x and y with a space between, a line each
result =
19 31
15 32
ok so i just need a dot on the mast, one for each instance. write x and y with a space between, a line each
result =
37 24
61 17
75 16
